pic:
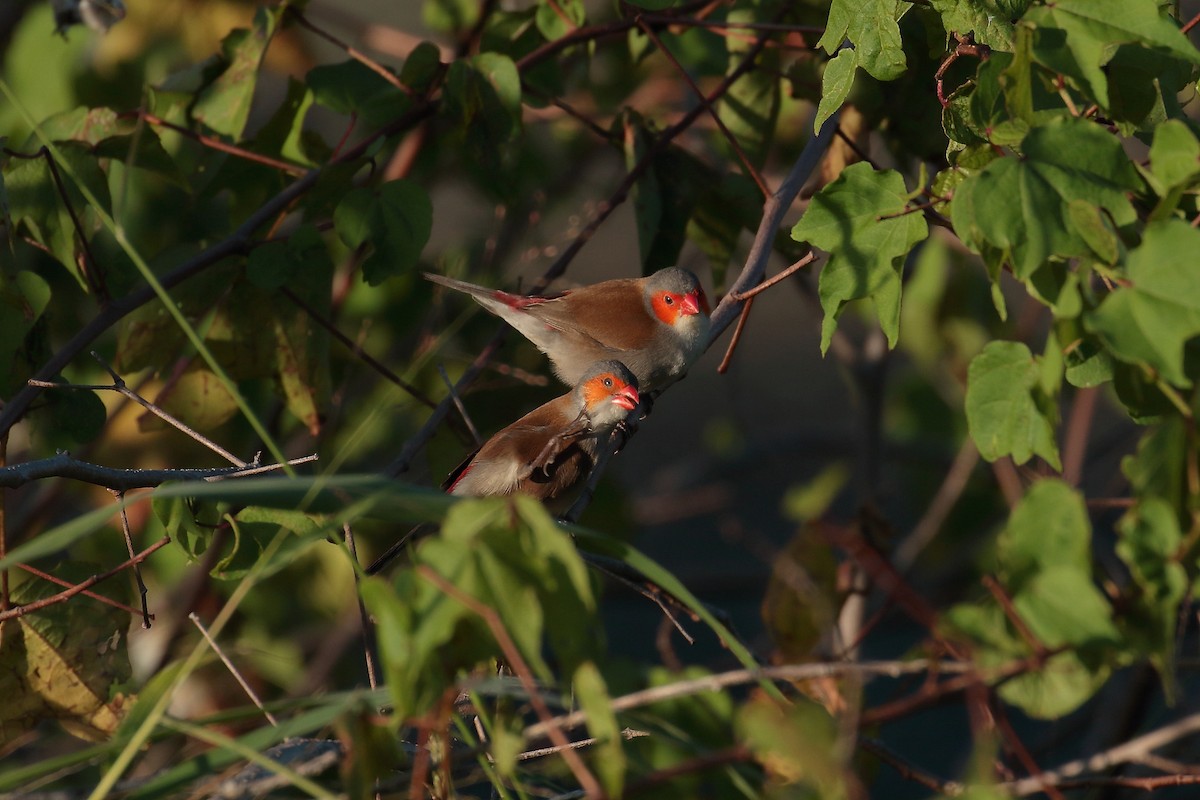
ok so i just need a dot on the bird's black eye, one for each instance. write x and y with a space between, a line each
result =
668 299
608 382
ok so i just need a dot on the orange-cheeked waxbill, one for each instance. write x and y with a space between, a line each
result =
549 451
657 326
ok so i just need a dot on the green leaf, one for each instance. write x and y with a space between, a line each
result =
836 82
421 67
69 417
23 298
1048 528
66 662
1023 205
1149 321
871 25
558 18
1009 412
353 88
990 22
36 202
724 208
395 220
1174 156
224 105
795 744
866 251
1078 38
484 91
1157 468
1063 684
509 555
254 528
1149 545
750 109
1062 606
592 694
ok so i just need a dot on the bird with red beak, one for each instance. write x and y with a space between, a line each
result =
657 326
546 453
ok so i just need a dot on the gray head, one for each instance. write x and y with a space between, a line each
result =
675 294
607 391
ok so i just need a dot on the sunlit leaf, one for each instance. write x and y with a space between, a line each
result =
861 221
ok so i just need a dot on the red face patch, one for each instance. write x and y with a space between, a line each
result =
667 307
601 387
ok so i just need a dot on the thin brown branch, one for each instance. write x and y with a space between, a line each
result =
1013 741
512 654
92 273
137 569
804 261
21 610
743 318
353 347
213 143
108 601
1075 441
712 112
908 771
773 212
368 626
1010 611
953 485
349 50
711 760
1191 23
236 243
237 676
119 386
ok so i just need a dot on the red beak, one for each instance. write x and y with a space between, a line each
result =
691 304
627 398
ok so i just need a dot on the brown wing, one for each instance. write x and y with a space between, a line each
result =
612 313
504 462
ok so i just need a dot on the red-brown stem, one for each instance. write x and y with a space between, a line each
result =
36 605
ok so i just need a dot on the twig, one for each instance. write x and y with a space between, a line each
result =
214 143
91 270
715 683
21 610
137 569
1083 410
1122 753
716 758
368 628
773 212
909 772
353 52
64 465
513 654
734 340
458 404
578 744
716 118
232 669
235 243
353 347
651 592
953 485
108 601
804 261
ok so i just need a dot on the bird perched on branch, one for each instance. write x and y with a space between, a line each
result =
546 453
657 326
